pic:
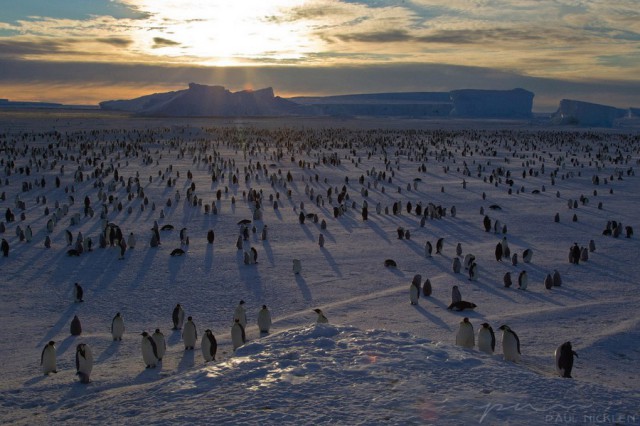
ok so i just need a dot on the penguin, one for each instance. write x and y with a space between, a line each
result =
117 327
78 293
238 338
69 237
514 259
210 236
149 351
322 319
527 255
564 359
465 336
264 320
240 314
161 344
177 317
498 252
548 282
183 235
459 249
468 260
473 271
510 344
506 252
297 266
390 263
557 279
123 248
84 362
166 227
209 346
414 292
76 327
426 288
439 245
461 305
523 280
48 358
456 265
506 280
4 247
131 241
428 249
455 294
189 334
486 339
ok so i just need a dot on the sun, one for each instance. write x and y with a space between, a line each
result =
224 32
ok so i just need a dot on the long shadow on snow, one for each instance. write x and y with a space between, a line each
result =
304 288
65 319
188 360
250 276
108 352
269 251
434 319
145 266
331 261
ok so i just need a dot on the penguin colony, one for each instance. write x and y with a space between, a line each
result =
110 191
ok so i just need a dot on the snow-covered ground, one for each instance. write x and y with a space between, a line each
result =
380 360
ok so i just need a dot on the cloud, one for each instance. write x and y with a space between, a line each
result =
116 41
159 42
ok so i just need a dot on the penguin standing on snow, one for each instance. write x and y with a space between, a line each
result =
414 289
117 327
4 246
486 339
428 249
264 320
238 338
523 280
189 334
78 292
84 362
510 344
76 327
465 336
209 346
48 358
499 252
240 314
149 351
322 319
161 344
455 295
439 245
564 359
178 317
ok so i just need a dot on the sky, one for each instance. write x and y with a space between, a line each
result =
86 51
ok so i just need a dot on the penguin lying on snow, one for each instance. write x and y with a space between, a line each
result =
461 305
166 228
177 252
390 263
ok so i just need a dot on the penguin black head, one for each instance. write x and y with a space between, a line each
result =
190 318
485 325
241 302
51 343
504 327
465 319
144 333
157 330
237 320
317 311
207 331
264 306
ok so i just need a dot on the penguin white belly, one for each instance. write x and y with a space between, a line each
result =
49 361
557 353
85 363
413 294
206 348
117 329
264 321
484 341
236 337
148 356
510 348
189 335
465 337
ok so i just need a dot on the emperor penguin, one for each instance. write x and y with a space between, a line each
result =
523 280
455 295
499 252
84 362
564 359
322 319
506 280
473 271
238 337
240 314
506 252
209 346
178 317
161 344
439 245
131 241
149 351
189 334
510 344
486 339
76 327
117 327
78 292
428 249
264 320
414 292
48 358
456 265
465 336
